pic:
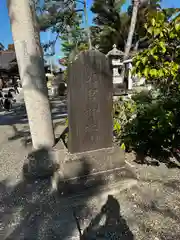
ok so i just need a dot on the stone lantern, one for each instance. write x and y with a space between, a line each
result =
116 60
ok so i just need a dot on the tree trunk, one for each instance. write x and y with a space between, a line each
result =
130 34
131 28
87 27
31 69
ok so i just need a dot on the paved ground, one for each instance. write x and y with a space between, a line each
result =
15 139
145 209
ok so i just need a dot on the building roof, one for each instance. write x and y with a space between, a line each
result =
7 59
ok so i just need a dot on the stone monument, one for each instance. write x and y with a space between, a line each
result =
90 139
90 103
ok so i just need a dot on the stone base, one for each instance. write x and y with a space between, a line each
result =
92 171
75 173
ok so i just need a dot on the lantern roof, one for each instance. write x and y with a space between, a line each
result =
115 52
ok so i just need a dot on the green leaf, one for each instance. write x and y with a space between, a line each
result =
146 72
117 126
138 63
153 22
146 25
144 60
155 57
162 45
161 34
160 73
139 74
160 16
123 146
153 50
177 27
153 72
172 35
157 31
150 30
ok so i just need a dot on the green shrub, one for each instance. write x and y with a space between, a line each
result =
157 127
148 123
123 113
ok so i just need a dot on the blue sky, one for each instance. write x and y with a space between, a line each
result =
6 36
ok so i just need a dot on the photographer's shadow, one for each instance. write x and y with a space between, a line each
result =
108 224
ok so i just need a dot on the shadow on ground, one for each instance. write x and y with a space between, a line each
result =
31 210
170 159
108 223
23 133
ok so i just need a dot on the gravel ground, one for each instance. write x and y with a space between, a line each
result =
149 209
152 207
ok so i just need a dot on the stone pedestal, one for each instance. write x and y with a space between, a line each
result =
91 170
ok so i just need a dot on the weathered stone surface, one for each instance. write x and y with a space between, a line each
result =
90 91
82 171
104 180
94 161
